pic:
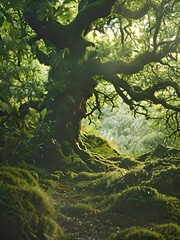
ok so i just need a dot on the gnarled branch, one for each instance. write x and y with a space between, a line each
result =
98 9
147 94
50 31
70 35
127 13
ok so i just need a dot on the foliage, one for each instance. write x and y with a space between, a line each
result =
24 207
129 134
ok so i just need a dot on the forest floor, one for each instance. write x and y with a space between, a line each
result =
101 195
82 220
100 205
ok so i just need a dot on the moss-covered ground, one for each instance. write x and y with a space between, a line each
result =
109 197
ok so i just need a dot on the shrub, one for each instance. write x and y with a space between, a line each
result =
25 210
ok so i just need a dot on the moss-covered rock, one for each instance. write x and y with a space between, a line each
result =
128 163
26 212
144 205
157 164
137 233
160 152
133 178
167 181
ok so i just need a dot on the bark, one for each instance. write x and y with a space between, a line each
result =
67 101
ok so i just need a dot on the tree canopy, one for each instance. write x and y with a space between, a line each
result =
55 55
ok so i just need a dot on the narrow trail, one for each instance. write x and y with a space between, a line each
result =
89 225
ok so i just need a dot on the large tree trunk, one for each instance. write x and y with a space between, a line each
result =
69 88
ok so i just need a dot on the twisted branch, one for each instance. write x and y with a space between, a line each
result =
127 13
147 94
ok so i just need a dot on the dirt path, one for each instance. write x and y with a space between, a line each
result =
81 224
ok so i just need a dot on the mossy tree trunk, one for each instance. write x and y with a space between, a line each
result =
71 80
70 86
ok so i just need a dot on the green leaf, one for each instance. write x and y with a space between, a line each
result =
43 113
2 18
32 112
7 107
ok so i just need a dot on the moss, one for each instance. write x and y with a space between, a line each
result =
170 231
112 181
133 178
57 175
160 152
77 210
48 185
25 208
17 176
137 233
167 181
157 164
142 205
86 176
92 141
128 163
103 181
97 145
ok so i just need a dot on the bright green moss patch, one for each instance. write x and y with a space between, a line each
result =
97 145
26 212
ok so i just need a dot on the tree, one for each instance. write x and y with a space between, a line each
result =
132 45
